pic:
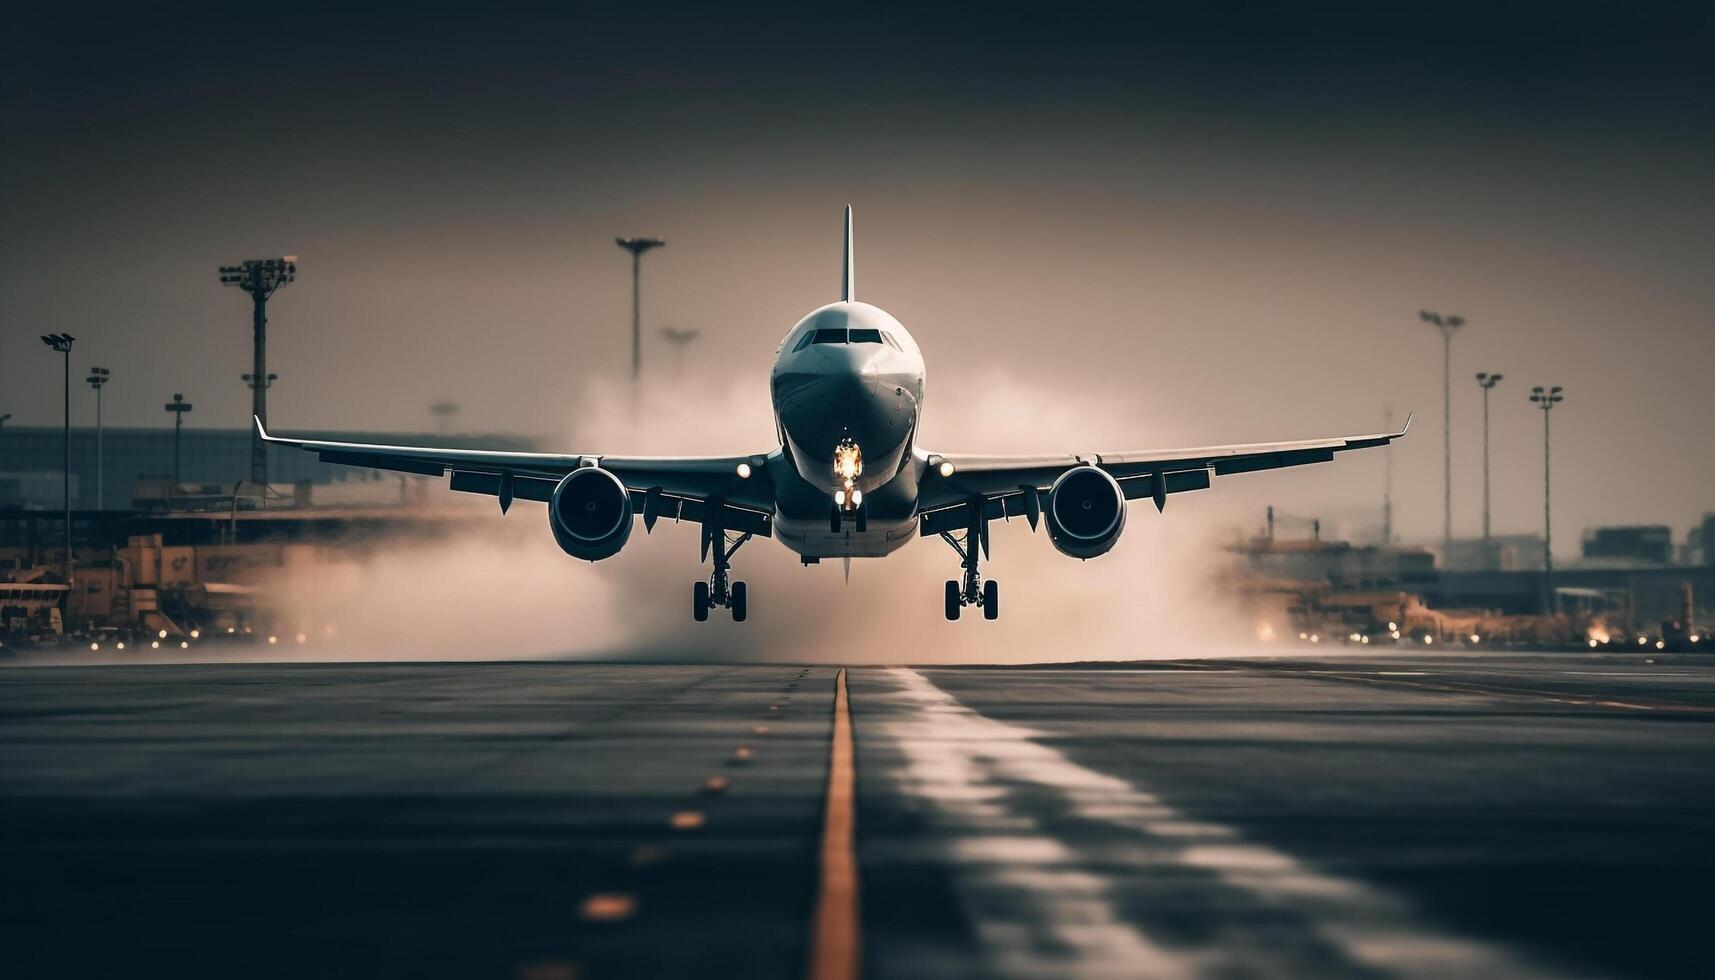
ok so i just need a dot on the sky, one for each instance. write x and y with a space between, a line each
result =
1175 226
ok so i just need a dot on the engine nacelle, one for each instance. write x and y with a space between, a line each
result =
590 514
1085 513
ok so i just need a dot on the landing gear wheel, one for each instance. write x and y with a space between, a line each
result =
991 600
738 603
954 601
834 518
700 602
861 518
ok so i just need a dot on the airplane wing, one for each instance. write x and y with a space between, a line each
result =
1006 483
675 487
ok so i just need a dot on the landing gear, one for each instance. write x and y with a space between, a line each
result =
718 590
972 590
837 516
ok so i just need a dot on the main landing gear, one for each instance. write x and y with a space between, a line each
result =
972 590
718 591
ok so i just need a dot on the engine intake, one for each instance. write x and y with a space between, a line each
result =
1086 512
590 514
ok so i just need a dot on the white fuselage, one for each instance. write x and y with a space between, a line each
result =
847 375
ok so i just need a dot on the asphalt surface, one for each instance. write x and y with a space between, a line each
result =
1385 816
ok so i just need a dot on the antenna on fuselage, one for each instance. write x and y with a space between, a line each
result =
848 272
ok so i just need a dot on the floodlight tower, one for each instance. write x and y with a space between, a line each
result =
98 376
178 406
680 338
260 278
61 343
1487 381
637 246
1445 324
1546 400
443 412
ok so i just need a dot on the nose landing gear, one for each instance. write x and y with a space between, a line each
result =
972 590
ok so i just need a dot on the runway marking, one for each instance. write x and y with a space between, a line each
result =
1040 906
1489 690
834 937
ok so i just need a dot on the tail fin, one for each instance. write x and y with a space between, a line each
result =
848 272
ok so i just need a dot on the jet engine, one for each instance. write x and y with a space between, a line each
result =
1086 512
590 514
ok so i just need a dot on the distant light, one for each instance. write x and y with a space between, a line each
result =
1364 640
95 646
1315 639
232 629
1393 626
1394 634
1695 638
1660 644
196 634
162 634
301 637
1642 640
120 644
1304 636
744 471
1592 644
273 640
184 645
1428 641
154 644
946 469
1475 638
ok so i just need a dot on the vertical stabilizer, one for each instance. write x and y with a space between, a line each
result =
848 272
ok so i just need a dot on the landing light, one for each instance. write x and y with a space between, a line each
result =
946 469
857 497
744 471
840 498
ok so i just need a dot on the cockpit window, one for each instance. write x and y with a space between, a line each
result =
804 341
891 342
836 335
865 335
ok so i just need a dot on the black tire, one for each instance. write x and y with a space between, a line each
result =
953 602
740 604
700 602
861 518
834 518
991 600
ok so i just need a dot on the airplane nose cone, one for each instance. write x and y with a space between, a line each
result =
844 397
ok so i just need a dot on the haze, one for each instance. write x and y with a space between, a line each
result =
1194 228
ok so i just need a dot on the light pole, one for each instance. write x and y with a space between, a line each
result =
178 406
1445 324
1387 488
1546 400
260 278
637 246
443 412
98 376
61 343
1486 382
680 339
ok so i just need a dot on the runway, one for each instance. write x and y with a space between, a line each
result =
1400 815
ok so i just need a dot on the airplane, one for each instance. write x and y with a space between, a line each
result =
846 478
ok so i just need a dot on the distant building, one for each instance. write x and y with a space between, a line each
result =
1646 543
31 461
1501 553
1343 566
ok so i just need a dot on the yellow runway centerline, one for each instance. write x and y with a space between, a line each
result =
834 952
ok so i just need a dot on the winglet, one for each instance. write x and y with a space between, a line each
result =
848 272
1405 428
261 433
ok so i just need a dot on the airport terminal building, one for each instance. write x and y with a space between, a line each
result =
32 462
